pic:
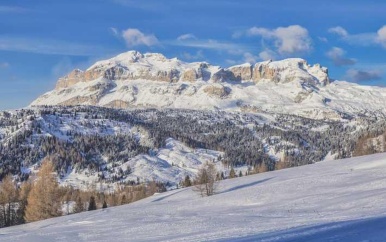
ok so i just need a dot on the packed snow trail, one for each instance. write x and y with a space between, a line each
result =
341 200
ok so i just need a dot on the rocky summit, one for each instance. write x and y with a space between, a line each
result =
136 80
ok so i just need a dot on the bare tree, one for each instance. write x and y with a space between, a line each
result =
205 182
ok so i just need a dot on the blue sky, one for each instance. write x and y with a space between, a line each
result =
43 40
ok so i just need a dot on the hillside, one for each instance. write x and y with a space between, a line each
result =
103 145
290 86
342 200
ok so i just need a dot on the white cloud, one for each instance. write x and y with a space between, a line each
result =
361 39
237 34
337 55
134 37
267 55
4 65
323 39
381 36
250 58
339 31
114 31
51 47
186 37
199 55
360 75
289 40
209 44
63 67
231 62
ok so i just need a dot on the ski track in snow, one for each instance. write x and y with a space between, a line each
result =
341 200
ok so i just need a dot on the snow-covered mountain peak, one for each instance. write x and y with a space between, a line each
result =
292 85
291 69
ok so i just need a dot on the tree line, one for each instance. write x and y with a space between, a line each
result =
43 198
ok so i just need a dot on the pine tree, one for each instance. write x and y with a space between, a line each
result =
222 175
43 201
92 204
240 174
187 181
232 173
104 204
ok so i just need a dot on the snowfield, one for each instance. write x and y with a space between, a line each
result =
341 200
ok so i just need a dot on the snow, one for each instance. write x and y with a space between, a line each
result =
292 95
342 200
168 165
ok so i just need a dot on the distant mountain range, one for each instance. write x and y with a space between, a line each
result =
143 117
290 86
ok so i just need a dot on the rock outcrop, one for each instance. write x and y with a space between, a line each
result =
217 90
140 80
289 70
242 72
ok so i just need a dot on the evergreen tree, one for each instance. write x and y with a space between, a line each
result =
187 181
43 201
240 174
92 204
104 204
222 175
232 173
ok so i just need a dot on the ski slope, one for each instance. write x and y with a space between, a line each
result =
341 200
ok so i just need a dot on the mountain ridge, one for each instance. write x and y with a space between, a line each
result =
290 86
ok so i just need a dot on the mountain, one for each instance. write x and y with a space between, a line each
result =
104 145
342 200
291 86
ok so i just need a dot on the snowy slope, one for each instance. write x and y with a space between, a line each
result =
343 200
135 80
169 165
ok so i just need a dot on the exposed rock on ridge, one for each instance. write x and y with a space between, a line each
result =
134 66
135 80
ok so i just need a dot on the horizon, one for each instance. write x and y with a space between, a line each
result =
348 38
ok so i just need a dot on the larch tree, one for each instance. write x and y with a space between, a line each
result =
23 196
79 206
44 200
123 199
8 201
205 182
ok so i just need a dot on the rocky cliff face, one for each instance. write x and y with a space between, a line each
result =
289 70
134 80
155 67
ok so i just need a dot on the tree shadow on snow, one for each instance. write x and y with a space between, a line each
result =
245 185
166 196
372 229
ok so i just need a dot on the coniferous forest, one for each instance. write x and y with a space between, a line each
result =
97 140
